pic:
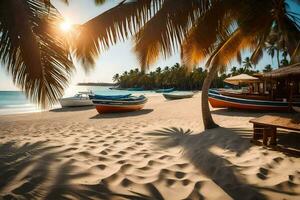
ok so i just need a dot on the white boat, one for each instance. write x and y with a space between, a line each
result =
80 99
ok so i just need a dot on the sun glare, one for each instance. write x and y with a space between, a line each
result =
66 26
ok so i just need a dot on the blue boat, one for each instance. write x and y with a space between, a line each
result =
135 89
132 103
165 90
109 97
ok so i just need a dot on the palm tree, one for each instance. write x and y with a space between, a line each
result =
247 64
233 71
284 61
271 49
209 29
116 78
267 68
33 49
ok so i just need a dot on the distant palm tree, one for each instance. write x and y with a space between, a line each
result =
284 61
247 64
233 71
272 49
116 78
209 29
267 68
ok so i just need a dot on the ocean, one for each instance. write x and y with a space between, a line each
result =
15 102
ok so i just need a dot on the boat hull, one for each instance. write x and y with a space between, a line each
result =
125 105
176 96
75 102
104 108
165 90
221 101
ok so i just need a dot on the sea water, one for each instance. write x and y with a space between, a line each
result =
15 102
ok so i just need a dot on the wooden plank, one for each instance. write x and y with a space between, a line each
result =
279 122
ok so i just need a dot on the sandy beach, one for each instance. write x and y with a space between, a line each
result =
160 152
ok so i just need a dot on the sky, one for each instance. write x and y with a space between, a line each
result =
117 59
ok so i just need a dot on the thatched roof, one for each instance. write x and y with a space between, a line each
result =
288 71
241 78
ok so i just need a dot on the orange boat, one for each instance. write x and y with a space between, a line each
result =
129 104
218 100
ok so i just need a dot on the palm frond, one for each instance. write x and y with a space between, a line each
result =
36 59
171 23
211 28
114 25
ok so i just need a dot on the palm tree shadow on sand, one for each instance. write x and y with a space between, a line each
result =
34 170
197 148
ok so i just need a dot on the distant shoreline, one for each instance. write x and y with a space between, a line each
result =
97 84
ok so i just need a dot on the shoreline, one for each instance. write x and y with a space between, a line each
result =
160 151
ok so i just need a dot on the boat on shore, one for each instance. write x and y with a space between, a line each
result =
80 99
181 95
135 89
109 97
167 90
129 104
224 101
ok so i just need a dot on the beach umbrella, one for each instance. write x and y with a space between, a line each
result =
241 78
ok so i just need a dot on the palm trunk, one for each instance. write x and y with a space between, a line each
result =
206 114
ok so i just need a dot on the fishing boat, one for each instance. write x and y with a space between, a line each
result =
80 99
167 90
131 103
181 95
109 97
223 101
135 89
278 90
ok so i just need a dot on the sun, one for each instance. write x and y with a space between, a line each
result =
66 26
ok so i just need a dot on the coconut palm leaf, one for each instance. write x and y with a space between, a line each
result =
204 36
36 59
171 23
115 24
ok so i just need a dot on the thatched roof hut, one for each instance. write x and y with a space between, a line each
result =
283 72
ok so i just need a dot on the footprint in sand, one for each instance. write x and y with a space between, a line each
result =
117 156
180 175
122 152
126 182
170 182
103 152
185 182
263 173
101 166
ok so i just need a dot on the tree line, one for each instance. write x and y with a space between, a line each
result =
179 77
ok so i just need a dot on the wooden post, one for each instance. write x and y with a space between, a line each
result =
273 140
291 95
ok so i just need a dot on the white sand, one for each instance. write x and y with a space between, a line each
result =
160 152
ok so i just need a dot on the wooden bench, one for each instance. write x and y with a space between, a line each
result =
266 126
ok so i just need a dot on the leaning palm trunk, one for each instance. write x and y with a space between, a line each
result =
206 114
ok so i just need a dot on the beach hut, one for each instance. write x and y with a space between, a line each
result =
285 82
279 90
